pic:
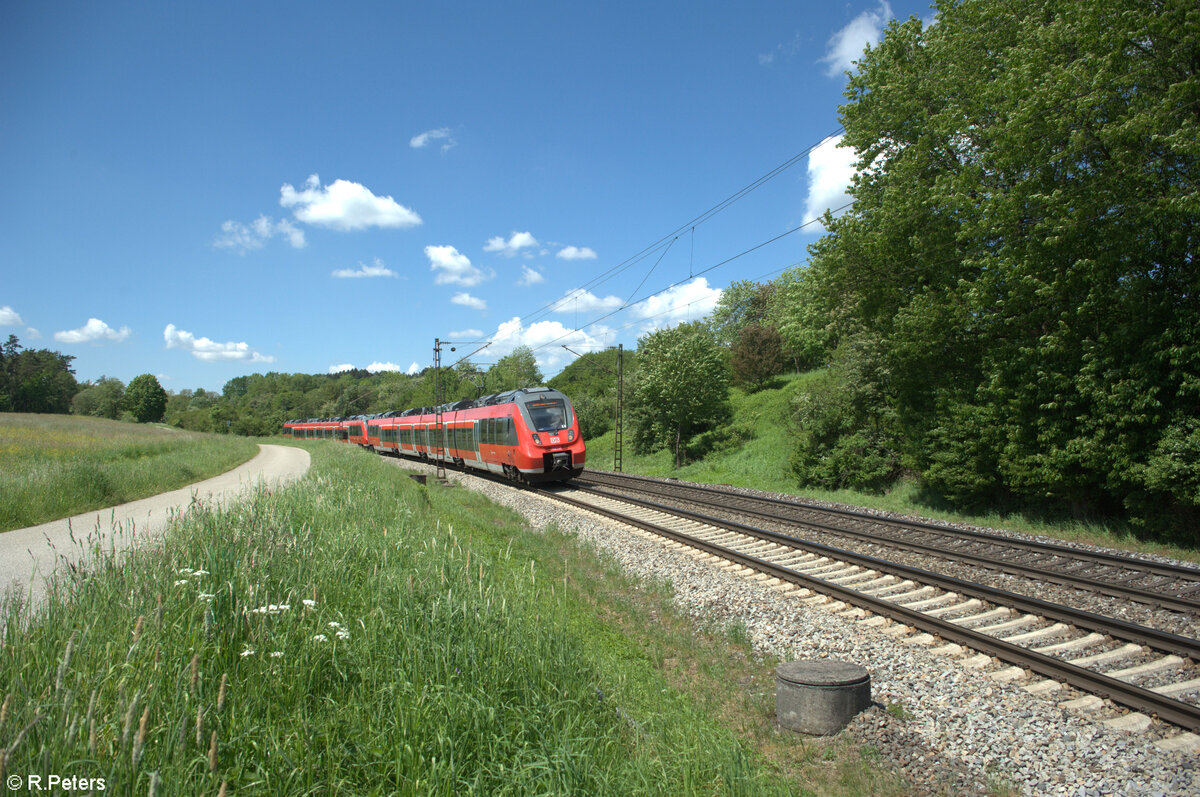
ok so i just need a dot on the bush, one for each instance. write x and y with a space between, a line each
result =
839 444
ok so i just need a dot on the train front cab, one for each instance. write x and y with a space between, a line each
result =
549 446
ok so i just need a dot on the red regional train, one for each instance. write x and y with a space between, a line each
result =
529 434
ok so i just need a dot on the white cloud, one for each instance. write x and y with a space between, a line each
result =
847 45
686 302
413 369
344 206
93 330
377 366
467 300
530 276
515 243
341 369
453 267
422 140
830 172
32 334
235 235
376 269
550 334
209 350
467 334
576 253
10 317
585 302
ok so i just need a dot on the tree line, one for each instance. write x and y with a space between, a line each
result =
41 380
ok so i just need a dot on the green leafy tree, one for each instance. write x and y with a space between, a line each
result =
743 303
35 380
804 312
519 369
681 387
104 399
145 399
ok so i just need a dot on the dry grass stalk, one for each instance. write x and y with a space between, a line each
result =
136 758
195 673
212 753
4 710
221 693
200 726
66 660
137 629
128 729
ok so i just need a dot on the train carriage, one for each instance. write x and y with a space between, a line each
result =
527 434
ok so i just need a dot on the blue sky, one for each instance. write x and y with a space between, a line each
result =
204 190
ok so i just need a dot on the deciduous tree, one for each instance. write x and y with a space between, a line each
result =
682 387
145 399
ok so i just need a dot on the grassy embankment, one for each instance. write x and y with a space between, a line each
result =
55 466
762 463
357 633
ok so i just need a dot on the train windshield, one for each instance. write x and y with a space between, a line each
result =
548 415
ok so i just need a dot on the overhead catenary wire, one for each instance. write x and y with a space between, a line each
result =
670 237
631 302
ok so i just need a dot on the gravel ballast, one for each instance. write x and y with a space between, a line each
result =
949 729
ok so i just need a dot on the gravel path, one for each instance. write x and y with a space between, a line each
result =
950 729
29 556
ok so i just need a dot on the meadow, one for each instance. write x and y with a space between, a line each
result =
756 456
55 466
359 633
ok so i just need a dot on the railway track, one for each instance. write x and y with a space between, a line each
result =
1167 586
1150 671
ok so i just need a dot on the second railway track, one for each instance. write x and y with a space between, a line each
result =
1168 586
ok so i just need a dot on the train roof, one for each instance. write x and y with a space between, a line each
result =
505 397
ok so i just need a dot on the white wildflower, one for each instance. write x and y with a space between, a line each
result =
200 572
320 638
247 652
343 634
206 596
334 625
184 571
309 603
182 582
277 654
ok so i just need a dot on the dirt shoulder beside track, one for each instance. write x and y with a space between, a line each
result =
28 556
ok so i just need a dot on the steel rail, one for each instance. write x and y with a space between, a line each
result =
1118 560
1126 694
1109 588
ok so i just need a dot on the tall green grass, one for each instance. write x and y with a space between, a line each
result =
354 633
55 466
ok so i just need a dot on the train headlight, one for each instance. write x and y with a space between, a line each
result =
537 439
